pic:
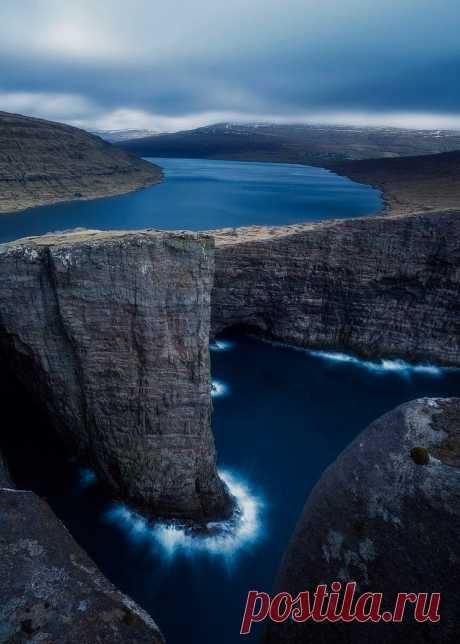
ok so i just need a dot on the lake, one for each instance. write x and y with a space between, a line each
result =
200 194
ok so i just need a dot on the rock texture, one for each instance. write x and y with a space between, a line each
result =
377 286
380 517
109 332
43 162
50 589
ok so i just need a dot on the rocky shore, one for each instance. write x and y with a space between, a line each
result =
43 163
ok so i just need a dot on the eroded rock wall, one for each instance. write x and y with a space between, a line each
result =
109 332
377 286
385 514
51 591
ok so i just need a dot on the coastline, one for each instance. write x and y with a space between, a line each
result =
429 183
44 163
23 205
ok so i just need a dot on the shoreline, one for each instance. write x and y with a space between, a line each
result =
44 163
90 197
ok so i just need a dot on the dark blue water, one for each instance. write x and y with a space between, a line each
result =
285 416
202 194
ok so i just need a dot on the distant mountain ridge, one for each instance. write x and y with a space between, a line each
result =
115 136
308 144
42 162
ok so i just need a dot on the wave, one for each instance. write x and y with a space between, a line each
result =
222 539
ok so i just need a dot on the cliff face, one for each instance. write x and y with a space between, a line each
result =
51 591
43 162
385 514
109 331
379 286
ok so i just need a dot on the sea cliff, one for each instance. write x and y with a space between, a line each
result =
109 333
379 287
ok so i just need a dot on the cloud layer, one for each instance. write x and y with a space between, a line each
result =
180 64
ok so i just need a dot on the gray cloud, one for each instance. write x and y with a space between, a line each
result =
182 62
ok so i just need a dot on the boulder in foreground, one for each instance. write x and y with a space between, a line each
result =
388 518
51 591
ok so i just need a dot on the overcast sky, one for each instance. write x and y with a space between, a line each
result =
175 64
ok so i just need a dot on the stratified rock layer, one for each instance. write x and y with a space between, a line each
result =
109 332
43 162
51 591
377 286
387 519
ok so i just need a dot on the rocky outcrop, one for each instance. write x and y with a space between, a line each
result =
51 591
43 162
377 286
109 333
386 514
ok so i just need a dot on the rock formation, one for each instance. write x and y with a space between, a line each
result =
43 162
387 519
377 286
51 591
109 333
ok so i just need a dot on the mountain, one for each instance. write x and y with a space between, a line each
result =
43 162
115 136
309 144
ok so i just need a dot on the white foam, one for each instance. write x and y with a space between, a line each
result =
221 345
383 366
397 366
222 538
219 389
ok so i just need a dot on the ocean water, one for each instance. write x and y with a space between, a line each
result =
200 194
280 417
